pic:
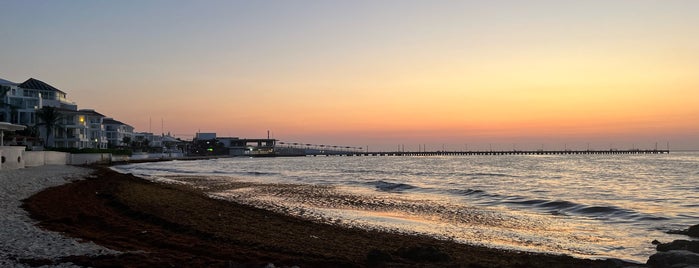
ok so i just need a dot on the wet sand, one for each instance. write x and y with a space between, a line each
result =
165 225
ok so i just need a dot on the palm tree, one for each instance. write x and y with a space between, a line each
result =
5 106
126 140
50 118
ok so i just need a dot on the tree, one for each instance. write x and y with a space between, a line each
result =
7 108
50 118
126 140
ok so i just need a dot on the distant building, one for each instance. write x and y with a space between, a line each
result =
205 136
158 143
250 147
116 131
209 144
79 129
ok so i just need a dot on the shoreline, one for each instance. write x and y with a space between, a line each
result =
160 225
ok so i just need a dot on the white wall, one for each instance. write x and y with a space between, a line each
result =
120 158
40 158
34 158
56 158
13 156
86 159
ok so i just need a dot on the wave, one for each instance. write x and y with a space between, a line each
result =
556 207
482 174
385 186
563 207
470 192
475 193
257 173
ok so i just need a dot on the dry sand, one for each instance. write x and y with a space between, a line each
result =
20 238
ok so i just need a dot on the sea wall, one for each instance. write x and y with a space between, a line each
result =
86 159
34 159
40 158
56 158
97 158
15 157
143 156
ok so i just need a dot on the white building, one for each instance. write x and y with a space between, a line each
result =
21 100
116 131
77 129
163 143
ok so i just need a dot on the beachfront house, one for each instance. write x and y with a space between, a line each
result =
163 143
78 128
118 134
20 101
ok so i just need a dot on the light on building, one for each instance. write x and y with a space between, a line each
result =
82 119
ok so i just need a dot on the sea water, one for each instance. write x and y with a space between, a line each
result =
587 206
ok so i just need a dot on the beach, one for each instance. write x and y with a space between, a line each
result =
22 242
122 220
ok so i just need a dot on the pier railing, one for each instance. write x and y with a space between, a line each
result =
305 149
514 152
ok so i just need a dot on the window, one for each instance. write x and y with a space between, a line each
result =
16 102
29 93
31 104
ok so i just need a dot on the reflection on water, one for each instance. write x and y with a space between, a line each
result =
585 206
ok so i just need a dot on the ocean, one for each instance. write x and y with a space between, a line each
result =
586 206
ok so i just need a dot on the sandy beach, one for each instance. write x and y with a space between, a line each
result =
21 240
161 225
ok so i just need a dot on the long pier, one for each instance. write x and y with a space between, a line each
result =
514 152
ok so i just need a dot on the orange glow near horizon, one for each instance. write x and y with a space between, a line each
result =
554 99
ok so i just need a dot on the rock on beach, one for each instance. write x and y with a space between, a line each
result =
674 259
679 253
20 240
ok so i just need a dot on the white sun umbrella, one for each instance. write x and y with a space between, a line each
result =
4 126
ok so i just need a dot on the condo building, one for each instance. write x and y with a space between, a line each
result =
77 128
118 134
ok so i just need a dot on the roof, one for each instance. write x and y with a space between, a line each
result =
4 126
32 83
169 139
6 82
64 110
111 121
90 112
81 111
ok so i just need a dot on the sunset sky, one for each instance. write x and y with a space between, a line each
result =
504 74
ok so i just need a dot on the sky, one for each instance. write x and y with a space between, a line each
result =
450 75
